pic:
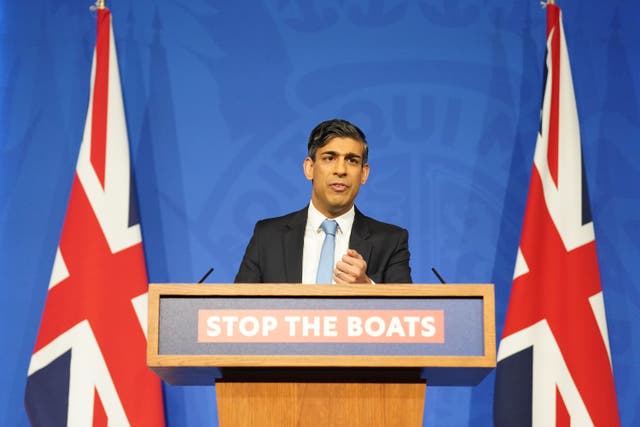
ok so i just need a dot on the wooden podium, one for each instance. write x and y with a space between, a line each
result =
321 355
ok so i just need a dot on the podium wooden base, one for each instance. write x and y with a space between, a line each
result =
315 402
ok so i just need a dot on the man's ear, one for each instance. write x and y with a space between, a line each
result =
307 167
365 173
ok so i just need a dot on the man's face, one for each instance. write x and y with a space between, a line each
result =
337 174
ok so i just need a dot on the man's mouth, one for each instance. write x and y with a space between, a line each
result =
338 186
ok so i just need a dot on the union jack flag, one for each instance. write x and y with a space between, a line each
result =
88 366
554 364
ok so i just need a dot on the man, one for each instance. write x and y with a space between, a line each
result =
288 249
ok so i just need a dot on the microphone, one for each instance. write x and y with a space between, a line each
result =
206 275
438 275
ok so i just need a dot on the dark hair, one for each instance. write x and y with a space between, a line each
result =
325 131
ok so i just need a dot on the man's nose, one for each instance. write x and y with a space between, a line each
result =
341 167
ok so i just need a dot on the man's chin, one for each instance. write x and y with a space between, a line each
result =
338 209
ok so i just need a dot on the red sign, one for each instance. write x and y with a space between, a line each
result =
319 326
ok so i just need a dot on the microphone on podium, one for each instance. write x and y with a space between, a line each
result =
206 275
438 275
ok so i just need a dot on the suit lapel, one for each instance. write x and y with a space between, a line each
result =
293 246
359 236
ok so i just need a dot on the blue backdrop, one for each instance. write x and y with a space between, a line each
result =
220 97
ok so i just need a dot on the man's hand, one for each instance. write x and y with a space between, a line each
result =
351 269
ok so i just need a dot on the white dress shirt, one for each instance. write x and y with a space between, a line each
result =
314 237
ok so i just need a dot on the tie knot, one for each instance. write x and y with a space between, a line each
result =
329 226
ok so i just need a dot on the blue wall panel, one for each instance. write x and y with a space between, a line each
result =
220 97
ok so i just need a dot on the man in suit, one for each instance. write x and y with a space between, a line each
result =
287 249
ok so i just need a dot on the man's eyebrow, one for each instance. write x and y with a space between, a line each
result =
349 155
331 152
335 153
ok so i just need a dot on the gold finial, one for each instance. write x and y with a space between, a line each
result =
99 4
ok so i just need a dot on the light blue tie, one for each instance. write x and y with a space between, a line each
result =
325 266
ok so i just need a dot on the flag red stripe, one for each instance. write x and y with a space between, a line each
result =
99 415
553 30
562 415
100 96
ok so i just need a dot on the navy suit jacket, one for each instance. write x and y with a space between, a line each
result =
274 253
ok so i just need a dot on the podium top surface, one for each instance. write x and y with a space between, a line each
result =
284 289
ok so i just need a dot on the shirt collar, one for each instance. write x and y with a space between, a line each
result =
315 218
